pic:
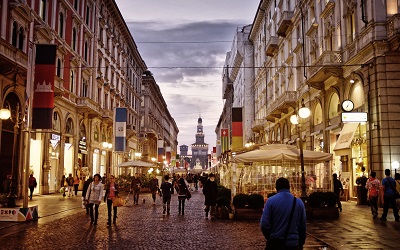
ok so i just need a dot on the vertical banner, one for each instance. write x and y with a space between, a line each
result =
120 129
224 140
160 151
237 129
43 86
218 147
168 155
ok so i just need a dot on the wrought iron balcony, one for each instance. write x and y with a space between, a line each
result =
327 65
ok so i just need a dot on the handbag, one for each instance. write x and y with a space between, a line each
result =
118 202
188 194
278 244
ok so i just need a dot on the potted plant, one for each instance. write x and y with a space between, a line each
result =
223 202
322 205
248 207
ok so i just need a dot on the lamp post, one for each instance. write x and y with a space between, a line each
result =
17 118
303 113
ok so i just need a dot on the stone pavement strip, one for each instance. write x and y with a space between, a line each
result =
63 224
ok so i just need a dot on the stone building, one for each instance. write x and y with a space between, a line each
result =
98 68
199 149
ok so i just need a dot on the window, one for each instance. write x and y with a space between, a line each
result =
61 25
98 95
87 15
21 39
14 34
85 88
42 9
76 4
86 51
58 69
351 27
72 82
73 42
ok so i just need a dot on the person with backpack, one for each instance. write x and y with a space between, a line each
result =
373 185
32 185
70 181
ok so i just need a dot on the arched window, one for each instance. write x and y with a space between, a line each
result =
21 39
317 115
69 127
86 51
14 34
72 82
334 106
96 133
61 25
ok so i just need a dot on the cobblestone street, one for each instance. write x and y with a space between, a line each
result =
63 224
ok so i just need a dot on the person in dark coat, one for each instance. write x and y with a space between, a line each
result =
154 188
182 191
210 191
84 190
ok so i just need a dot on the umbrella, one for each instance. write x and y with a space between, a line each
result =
135 164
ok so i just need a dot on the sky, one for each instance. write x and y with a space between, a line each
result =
184 44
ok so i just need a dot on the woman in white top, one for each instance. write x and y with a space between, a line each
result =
94 194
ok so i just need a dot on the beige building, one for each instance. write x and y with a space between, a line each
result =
98 68
321 53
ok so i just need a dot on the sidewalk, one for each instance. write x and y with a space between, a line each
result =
143 226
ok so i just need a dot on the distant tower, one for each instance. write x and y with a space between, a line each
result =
199 148
183 150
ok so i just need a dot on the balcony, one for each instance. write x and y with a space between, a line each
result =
258 125
284 23
272 46
327 65
281 105
108 115
12 60
226 83
85 105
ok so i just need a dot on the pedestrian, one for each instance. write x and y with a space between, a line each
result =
389 197
182 191
373 185
6 184
210 191
166 190
135 187
84 191
154 188
63 185
70 182
76 185
94 194
338 190
283 221
111 193
32 185
195 181
104 179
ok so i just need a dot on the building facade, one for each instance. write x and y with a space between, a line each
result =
199 149
98 68
320 54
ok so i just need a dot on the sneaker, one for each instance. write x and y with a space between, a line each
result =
383 219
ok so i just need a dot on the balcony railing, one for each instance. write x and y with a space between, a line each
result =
284 23
282 103
327 58
85 104
272 46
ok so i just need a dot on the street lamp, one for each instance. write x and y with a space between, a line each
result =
303 113
17 118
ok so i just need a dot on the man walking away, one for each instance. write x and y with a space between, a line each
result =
154 188
373 185
210 191
32 185
166 190
135 187
389 197
337 186
283 222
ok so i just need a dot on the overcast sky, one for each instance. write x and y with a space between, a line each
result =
184 44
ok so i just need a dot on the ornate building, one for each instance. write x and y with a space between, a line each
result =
199 149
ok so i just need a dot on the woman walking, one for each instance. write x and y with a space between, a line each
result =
182 190
111 193
93 196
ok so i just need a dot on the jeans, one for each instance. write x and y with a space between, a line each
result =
70 191
31 190
182 205
136 196
153 195
373 201
166 203
212 208
390 201
76 188
109 208
339 204
96 212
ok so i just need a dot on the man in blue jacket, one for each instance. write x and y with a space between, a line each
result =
275 219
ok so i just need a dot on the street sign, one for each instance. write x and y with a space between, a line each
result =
354 117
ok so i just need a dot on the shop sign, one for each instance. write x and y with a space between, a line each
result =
82 146
354 117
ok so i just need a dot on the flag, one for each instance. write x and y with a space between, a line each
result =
224 140
218 148
120 129
43 86
168 155
237 129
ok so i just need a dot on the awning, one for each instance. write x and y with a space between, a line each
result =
135 164
346 136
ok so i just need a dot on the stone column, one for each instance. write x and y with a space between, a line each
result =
44 184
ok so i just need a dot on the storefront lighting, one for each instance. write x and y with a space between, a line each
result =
294 119
304 112
109 145
351 81
5 114
395 166
105 144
